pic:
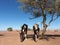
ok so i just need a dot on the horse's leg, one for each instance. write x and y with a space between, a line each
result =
22 37
35 37
25 35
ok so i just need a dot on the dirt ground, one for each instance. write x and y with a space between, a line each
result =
13 38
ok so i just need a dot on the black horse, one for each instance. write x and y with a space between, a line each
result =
23 34
36 30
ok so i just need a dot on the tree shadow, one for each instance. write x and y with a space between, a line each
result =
46 36
30 36
1 35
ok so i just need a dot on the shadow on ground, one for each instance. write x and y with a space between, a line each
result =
46 37
1 35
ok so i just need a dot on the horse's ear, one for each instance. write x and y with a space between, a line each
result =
33 27
22 26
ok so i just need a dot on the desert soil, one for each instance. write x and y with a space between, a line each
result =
13 38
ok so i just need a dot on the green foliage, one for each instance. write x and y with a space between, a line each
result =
29 29
9 29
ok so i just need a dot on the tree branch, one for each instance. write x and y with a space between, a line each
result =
53 19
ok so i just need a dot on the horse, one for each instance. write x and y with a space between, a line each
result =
23 34
36 30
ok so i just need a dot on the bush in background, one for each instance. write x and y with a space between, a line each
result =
9 29
29 29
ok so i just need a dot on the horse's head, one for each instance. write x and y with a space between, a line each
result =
36 26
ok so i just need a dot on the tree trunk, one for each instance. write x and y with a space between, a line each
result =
44 26
44 23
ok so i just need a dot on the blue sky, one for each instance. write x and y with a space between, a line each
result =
12 16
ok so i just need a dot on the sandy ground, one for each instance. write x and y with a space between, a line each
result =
13 38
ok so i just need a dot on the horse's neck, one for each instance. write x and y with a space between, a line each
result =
36 28
24 29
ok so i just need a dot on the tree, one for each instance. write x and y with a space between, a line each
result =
10 29
41 8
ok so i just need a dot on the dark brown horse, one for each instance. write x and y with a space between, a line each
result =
23 34
36 31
